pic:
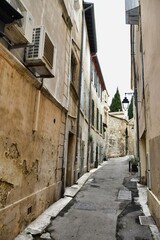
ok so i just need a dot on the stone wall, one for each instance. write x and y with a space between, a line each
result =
116 136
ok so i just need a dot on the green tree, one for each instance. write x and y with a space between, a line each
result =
116 104
130 109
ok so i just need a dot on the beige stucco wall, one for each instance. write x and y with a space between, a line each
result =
35 122
151 63
149 114
152 88
31 161
53 15
154 206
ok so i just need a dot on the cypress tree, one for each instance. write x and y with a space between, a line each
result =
116 104
130 109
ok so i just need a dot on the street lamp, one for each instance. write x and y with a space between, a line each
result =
125 102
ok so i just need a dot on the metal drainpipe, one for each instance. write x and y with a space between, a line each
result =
89 116
135 94
37 107
144 99
66 130
80 85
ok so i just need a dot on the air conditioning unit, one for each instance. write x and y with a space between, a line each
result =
41 57
20 31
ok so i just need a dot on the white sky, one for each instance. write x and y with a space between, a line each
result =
113 44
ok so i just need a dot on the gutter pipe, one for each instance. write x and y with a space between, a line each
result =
135 92
80 87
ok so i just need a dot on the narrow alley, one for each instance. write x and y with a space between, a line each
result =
76 161
104 208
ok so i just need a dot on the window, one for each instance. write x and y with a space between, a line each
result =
74 71
73 68
97 119
92 112
101 123
95 80
92 153
101 93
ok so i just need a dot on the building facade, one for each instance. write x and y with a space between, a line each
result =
145 39
99 115
34 105
45 105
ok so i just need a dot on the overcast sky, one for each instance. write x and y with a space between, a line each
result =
113 44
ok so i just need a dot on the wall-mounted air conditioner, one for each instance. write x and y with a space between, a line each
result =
41 57
20 31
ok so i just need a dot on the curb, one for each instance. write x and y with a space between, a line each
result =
43 220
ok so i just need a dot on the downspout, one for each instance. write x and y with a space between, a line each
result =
63 178
142 61
89 117
144 99
80 87
135 93
36 108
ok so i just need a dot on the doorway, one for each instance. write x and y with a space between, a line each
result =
70 159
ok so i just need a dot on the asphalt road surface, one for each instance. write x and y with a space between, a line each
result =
104 208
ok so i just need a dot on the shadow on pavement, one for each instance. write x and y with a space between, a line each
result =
128 225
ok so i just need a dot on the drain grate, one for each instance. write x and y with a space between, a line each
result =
146 220
124 195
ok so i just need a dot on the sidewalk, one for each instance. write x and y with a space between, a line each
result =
142 199
135 219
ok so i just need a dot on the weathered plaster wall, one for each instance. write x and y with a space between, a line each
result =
31 161
151 57
152 87
151 64
154 206
35 128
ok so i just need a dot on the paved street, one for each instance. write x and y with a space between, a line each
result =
107 207
93 213
95 209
